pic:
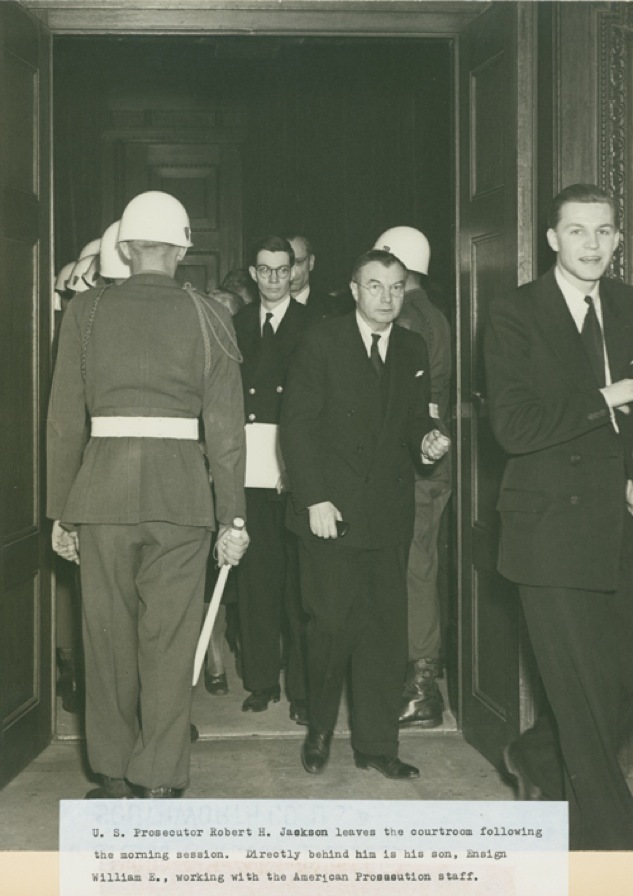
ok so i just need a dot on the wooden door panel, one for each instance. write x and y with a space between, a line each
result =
490 181
206 177
25 617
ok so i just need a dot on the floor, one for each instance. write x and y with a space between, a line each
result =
245 755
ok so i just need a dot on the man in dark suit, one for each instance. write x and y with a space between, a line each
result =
558 356
268 581
318 304
354 419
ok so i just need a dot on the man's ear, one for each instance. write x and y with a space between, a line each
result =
354 288
311 262
124 249
253 272
552 239
182 251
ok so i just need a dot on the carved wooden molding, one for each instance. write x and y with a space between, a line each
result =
615 67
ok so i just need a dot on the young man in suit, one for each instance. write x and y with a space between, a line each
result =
267 581
558 357
354 420
141 361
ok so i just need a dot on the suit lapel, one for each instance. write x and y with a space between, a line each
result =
366 386
559 329
617 334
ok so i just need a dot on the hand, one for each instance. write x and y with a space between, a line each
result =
629 496
618 394
323 519
435 445
283 483
231 545
65 542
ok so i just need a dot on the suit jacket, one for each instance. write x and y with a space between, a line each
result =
321 305
562 498
264 383
343 442
146 356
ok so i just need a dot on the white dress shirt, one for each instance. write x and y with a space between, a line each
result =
277 314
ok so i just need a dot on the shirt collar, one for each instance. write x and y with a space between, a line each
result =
366 333
277 312
302 297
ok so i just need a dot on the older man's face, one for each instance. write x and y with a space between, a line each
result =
379 293
304 263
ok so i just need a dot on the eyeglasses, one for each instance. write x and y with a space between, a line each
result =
376 289
283 272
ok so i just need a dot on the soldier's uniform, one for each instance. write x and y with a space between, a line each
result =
142 504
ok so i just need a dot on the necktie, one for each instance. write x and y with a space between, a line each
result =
591 335
267 329
374 355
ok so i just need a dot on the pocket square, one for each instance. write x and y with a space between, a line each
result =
421 372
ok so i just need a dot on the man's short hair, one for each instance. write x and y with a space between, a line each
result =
580 193
271 244
386 259
297 235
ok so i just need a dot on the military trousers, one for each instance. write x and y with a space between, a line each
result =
143 592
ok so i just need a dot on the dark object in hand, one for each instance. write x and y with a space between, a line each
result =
342 528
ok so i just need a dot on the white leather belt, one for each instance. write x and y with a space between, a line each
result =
144 428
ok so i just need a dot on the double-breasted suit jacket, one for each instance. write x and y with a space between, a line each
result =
348 439
264 380
267 578
562 498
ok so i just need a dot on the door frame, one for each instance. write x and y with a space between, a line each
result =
334 19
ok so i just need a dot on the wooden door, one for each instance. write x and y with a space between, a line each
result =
25 309
496 250
204 176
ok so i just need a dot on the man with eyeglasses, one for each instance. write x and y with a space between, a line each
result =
354 421
268 586
318 304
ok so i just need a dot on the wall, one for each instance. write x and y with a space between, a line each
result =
342 137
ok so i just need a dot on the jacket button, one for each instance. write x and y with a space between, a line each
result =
280 388
251 391
574 499
575 459
251 417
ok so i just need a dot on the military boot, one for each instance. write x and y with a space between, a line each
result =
422 702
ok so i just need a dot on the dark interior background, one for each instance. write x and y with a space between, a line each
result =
340 138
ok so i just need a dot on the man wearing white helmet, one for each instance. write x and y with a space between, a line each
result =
143 360
423 704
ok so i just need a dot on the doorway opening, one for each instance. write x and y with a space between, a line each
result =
337 138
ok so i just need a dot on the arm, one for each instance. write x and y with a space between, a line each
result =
67 425
525 417
223 416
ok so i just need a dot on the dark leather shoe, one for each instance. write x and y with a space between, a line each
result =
111 789
299 712
526 788
258 701
194 734
216 684
389 766
424 709
316 751
160 793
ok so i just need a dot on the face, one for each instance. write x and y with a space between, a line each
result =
304 264
379 293
584 239
274 286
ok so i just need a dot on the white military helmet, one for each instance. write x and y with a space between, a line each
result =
111 262
91 248
63 276
85 273
407 244
158 217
